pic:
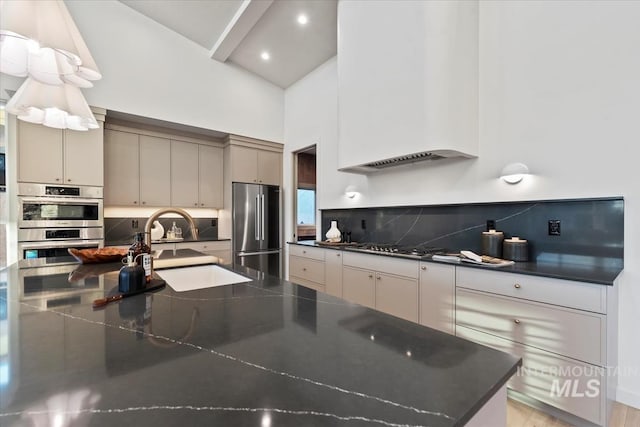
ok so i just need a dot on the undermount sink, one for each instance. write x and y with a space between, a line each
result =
200 277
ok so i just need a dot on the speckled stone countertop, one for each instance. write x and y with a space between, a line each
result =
599 271
264 352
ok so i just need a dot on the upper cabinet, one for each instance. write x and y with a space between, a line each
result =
260 164
409 94
55 156
196 175
147 169
136 169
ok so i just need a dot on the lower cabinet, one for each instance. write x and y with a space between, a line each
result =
359 286
437 296
384 283
567 344
333 272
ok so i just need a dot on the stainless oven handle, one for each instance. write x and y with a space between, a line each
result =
59 200
61 244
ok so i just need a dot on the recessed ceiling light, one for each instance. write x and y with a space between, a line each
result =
265 55
303 19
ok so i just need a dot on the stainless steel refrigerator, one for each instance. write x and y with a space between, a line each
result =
256 227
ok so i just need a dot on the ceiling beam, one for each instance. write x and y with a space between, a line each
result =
242 22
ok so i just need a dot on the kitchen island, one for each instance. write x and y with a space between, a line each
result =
265 352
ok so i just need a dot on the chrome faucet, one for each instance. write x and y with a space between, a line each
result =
162 211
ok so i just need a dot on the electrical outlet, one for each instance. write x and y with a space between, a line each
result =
554 227
491 224
363 224
134 223
214 222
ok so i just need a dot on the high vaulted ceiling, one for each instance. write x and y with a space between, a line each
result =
239 31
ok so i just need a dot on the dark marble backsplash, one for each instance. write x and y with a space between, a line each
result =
591 228
122 230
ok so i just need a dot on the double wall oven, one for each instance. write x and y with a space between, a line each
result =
54 218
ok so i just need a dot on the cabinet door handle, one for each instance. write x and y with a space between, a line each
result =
517 286
195 204
201 204
304 252
135 202
516 321
379 277
338 255
144 203
57 179
68 179
423 268
371 276
304 268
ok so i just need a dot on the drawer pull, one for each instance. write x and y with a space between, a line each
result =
304 268
338 255
516 321
423 268
304 252
517 286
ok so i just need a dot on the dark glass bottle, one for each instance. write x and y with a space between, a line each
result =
139 246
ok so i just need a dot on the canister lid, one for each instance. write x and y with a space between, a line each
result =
492 232
515 239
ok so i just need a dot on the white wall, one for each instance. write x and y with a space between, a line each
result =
149 70
559 91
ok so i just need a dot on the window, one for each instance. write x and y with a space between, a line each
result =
306 207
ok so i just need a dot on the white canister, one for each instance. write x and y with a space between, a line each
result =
157 231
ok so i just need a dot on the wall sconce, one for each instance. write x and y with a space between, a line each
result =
350 192
514 172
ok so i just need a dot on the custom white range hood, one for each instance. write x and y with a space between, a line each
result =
410 95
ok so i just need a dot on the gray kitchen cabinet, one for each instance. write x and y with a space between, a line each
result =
255 165
437 296
307 266
210 176
56 156
155 166
196 175
565 332
318 268
122 160
333 272
137 169
359 286
385 283
184 174
397 296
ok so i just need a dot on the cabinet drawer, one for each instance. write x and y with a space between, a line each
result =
205 246
567 293
307 252
385 264
308 269
579 335
551 378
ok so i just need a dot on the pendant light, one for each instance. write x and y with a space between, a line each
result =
40 41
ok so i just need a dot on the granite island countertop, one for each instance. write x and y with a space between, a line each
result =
264 352
557 266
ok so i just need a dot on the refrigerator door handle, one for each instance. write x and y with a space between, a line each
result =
262 226
243 254
256 220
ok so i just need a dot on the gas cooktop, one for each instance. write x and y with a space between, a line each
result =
416 251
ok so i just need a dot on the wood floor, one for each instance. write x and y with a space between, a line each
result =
521 415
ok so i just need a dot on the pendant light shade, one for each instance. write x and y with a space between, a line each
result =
61 107
39 39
